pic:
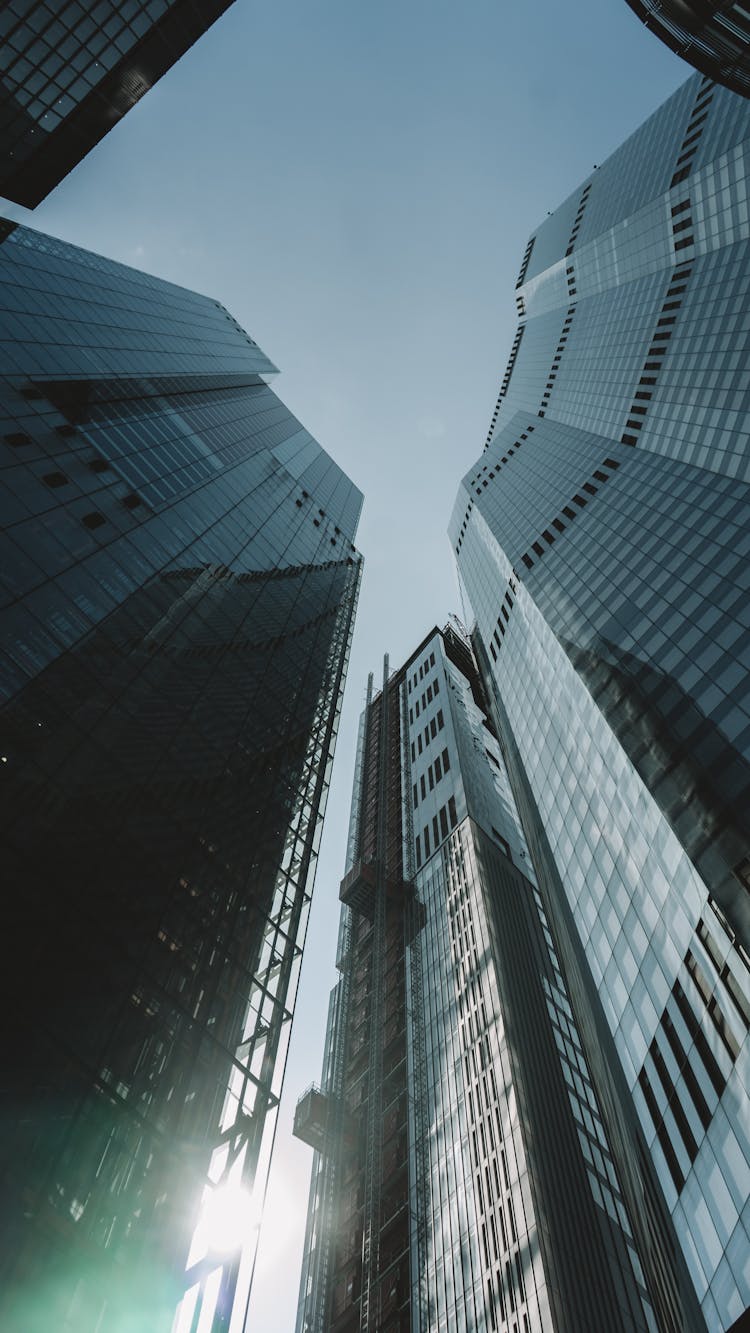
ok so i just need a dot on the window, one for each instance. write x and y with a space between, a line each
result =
433 727
416 708
419 742
423 786
413 755
504 844
452 811
446 761
411 715
430 777
93 520
435 829
55 479
418 847
432 659
427 735
416 798
443 821
436 688
426 836
438 771
440 720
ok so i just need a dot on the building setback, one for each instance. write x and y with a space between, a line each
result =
602 541
70 70
474 1167
179 586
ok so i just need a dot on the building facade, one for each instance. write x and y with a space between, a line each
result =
713 35
474 1168
69 71
602 541
179 587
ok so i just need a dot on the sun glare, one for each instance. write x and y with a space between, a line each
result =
230 1213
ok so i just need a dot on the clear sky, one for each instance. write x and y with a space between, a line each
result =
356 182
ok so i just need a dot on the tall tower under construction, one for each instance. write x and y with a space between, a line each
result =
477 1164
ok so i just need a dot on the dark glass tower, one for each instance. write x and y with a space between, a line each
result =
713 35
179 586
478 1165
70 70
602 540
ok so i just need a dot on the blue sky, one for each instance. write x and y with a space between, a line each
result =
356 182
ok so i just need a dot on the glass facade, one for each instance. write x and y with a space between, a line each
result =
713 36
496 1186
70 70
179 586
602 543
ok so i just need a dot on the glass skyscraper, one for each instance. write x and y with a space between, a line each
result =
69 70
478 1164
179 585
602 540
714 35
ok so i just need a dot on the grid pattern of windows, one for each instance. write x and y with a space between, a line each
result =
514 1218
484 1264
606 565
714 38
177 595
69 70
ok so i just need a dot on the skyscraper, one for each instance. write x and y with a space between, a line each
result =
478 1165
179 589
713 35
69 71
602 540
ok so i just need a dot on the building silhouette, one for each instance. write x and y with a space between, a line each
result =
478 1164
69 71
713 35
179 589
602 543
